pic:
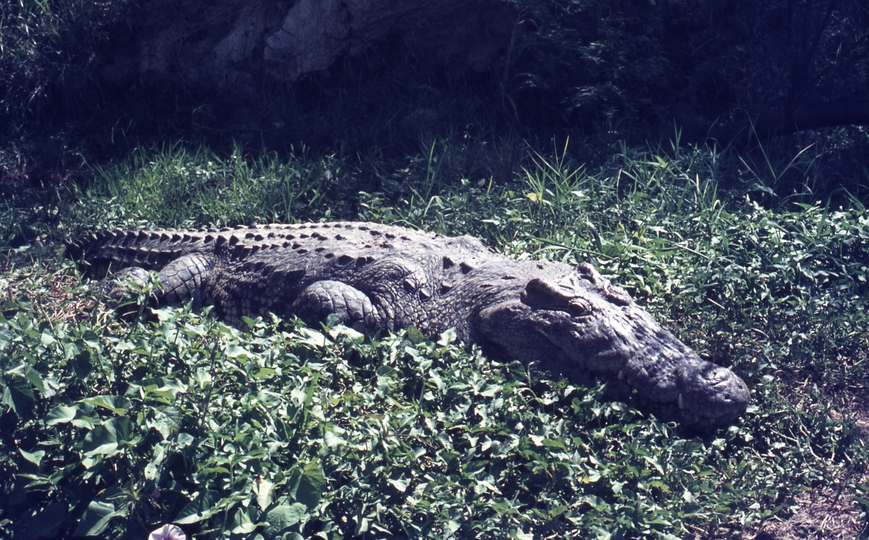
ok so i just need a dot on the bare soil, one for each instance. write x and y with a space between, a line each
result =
831 511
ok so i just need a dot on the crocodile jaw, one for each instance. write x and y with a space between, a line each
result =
579 321
627 344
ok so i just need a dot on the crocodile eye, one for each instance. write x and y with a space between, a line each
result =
579 307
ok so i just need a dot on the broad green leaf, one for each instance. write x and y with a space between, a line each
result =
242 522
85 422
687 496
311 485
164 390
233 350
47 339
106 438
341 330
447 337
491 390
414 335
521 535
312 338
332 440
166 421
116 404
264 490
248 321
95 519
82 364
18 395
202 507
400 485
33 457
264 372
35 379
202 378
78 415
185 439
91 339
123 346
60 415
363 525
282 518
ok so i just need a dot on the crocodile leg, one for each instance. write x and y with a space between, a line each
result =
323 298
182 279
118 283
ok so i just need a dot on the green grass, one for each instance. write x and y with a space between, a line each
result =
113 427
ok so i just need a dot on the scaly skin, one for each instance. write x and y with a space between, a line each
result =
378 277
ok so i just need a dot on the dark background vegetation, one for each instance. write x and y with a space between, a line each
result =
603 71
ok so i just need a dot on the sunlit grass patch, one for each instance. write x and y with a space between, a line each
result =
180 187
116 426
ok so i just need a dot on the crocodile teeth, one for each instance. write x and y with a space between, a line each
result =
681 402
621 375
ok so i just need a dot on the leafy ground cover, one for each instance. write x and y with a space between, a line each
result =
115 426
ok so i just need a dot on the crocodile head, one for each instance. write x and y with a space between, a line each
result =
579 321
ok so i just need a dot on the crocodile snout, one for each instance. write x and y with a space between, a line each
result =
712 393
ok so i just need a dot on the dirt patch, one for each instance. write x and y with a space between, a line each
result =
48 289
831 511
828 512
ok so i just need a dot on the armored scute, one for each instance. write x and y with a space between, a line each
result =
377 277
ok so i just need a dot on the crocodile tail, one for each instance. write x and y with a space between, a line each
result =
74 249
77 250
85 252
151 250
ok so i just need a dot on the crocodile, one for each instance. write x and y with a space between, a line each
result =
376 278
